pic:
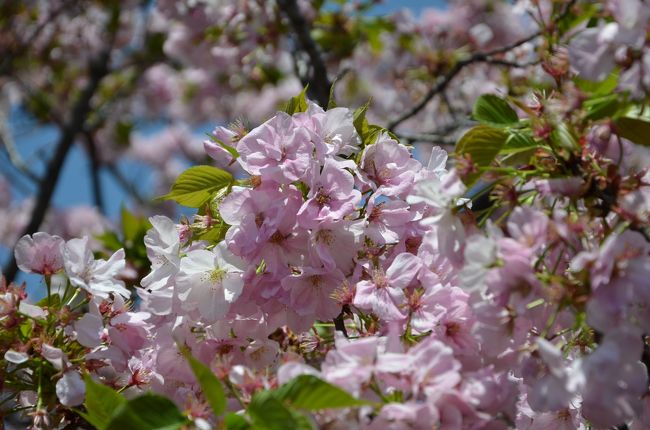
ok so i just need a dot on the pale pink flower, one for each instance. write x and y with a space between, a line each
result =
39 253
331 196
384 294
209 281
277 150
388 167
163 246
311 291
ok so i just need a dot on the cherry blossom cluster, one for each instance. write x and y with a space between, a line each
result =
340 255
501 286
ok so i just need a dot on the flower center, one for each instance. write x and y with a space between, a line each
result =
216 275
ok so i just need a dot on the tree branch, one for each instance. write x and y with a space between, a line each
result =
319 83
95 166
445 80
98 68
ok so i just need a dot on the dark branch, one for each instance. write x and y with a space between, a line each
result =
98 68
319 83
95 166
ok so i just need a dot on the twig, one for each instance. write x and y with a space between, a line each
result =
445 80
319 83
479 57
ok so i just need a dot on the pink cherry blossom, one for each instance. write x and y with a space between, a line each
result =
383 294
277 150
209 281
39 253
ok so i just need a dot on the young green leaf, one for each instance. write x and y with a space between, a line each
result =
359 119
601 107
101 403
518 141
604 87
482 143
298 103
267 412
212 389
312 393
492 109
147 412
564 137
236 422
634 129
195 186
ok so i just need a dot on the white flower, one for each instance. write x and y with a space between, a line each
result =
15 357
70 389
163 245
480 255
210 281
439 191
98 277
339 132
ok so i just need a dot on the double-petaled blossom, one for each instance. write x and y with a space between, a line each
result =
332 195
383 293
388 168
333 132
277 150
310 292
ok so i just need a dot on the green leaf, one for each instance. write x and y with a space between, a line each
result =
101 403
564 137
518 141
147 412
26 328
267 412
212 389
53 302
110 240
312 393
213 234
236 422
604 87
492 109
482 143
369 133
359 119
634 129
195 186
298 103
133 227
602 107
